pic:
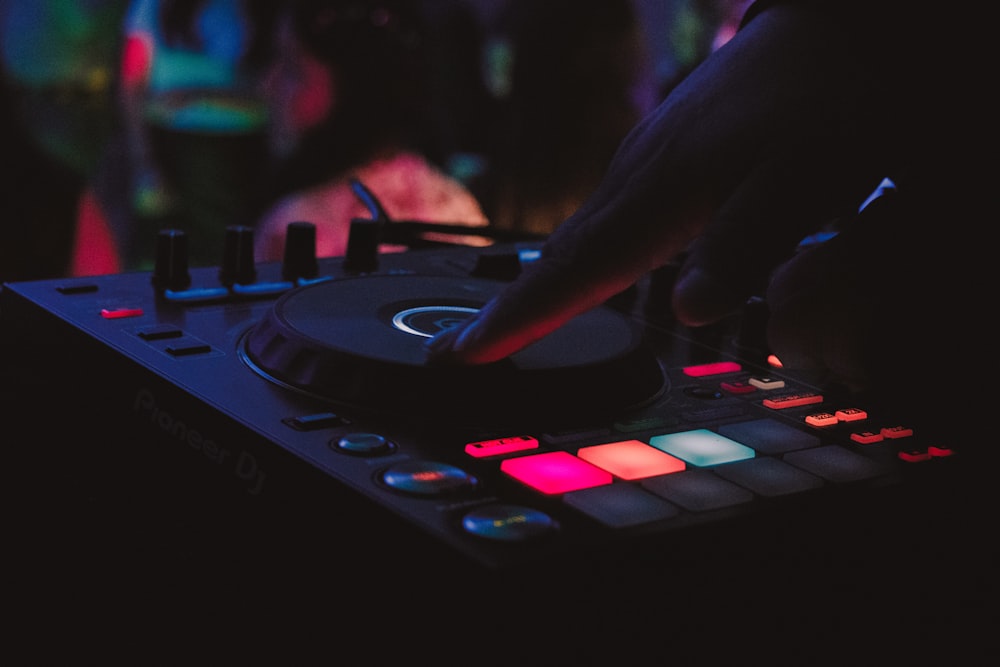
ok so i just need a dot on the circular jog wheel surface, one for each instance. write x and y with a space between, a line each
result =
359 342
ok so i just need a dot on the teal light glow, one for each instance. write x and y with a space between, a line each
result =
702 447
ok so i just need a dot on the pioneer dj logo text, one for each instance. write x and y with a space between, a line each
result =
244 464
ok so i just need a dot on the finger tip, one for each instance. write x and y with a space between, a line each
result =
439 350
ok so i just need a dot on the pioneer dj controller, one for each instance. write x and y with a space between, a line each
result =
618 429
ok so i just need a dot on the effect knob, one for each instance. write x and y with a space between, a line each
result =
362 246
237 259
300 251
171 269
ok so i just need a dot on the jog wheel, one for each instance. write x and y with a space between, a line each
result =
359 343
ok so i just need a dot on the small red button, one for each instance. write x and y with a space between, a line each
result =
118 313
716 368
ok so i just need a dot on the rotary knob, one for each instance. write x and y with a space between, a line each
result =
237 259
171 269
300 252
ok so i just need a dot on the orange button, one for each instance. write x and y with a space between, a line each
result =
851 415
822 419
792 400
867 437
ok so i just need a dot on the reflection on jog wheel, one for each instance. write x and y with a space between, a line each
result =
359 342
428 321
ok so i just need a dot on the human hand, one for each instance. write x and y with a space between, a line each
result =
756 149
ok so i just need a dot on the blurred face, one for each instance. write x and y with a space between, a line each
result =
298 89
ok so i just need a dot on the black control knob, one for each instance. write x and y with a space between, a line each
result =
751 338
362 246
237 259
171 270
300 251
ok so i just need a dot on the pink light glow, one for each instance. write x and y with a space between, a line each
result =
555 472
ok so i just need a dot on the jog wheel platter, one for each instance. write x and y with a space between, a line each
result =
360 343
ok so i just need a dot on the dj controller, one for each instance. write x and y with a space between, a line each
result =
304 383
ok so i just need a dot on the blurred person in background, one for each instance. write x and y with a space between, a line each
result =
682 33
570 80
461 106
192 152
350 98
57 81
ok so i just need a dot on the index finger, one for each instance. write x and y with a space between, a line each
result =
578 270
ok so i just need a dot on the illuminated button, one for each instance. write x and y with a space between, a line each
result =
621 505
769 477
763 382
769 436
738 387
836 464
555 472
940 450
867 437
717 368
508 523
701 447
914 454
893 432
631 459
119 313
792 400
851 414
261 289
698 490
197 294
364 444
428 478
499 446
822 419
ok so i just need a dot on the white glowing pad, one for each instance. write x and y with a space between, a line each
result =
702 447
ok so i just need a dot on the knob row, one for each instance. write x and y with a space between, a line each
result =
171 271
